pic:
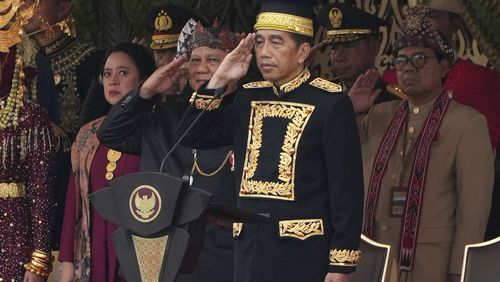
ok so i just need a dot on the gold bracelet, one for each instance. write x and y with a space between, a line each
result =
43 255
40 264
29 267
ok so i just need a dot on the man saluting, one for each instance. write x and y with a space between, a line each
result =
297 152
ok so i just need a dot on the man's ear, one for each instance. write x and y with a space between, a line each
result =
304 50
64 9
374 47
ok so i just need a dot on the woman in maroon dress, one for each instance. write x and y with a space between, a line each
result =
86 247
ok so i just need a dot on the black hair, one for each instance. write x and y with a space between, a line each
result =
299 39
95 105
141 57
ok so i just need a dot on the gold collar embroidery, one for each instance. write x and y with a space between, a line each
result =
292 84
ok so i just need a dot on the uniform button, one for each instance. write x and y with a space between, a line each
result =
383 227
411 129
416 110
393 176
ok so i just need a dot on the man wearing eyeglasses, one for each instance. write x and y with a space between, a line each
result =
354 39
428 164
472 84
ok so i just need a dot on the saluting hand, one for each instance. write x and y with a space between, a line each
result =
362 93
235 64
162 79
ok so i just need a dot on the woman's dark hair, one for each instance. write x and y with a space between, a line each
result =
141 57
95 105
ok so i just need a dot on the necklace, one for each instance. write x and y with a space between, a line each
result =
113 156
9 114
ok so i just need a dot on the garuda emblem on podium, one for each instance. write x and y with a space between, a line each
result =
145 203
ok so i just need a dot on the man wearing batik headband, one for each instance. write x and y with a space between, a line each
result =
26 156
427 161
135 126
353 36
297 153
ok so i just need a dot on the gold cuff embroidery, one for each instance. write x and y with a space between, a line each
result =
207 102
284 22
237 228
344 257
301 228
283 188
12 190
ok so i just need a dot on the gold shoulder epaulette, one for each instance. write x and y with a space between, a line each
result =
396 91
258 84
326 85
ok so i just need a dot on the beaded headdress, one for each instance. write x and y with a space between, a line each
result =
417 30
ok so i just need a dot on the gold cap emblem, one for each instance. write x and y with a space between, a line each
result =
163 21
335 16
145 203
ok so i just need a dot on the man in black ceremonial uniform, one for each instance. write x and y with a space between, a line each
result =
297 152
354 39
149 129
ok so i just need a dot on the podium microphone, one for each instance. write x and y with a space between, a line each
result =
217 94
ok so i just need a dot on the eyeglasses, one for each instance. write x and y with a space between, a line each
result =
417 60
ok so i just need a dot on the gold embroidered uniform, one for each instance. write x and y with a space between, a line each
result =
297 158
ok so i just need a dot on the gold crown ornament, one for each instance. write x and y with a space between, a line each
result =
11 21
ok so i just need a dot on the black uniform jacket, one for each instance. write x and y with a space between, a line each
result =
297 158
